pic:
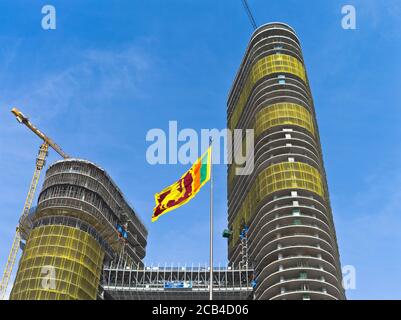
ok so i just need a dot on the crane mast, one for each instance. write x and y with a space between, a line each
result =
24 222
40 163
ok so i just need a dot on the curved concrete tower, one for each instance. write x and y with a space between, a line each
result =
284 202
74 234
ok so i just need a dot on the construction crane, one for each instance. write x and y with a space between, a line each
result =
21 230
249 13
22 119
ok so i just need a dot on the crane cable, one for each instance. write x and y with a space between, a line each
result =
249 13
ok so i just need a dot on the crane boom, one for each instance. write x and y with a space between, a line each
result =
22 119
24 223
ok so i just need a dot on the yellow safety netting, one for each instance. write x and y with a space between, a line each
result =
283 114
275 115
265 66
59 262
281 176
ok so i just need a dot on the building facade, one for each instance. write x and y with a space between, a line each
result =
82 223
281 210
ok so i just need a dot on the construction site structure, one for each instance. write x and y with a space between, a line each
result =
284 197
175 282
82 222
23 229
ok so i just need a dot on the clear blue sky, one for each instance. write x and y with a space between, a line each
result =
113 70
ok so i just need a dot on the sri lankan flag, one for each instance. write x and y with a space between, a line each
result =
185 188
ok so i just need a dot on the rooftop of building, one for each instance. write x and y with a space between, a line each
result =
256 32
134 211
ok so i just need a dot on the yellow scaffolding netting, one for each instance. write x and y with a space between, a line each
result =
283 114
59 263
276 115
265 66
281 176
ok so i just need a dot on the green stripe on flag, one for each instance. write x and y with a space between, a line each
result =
203 169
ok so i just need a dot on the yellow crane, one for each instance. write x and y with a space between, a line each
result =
21 232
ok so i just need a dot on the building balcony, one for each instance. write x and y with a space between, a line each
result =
286 226
288 237
297 261
298 273
302 294
266 257
298 284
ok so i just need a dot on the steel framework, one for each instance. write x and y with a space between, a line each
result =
136 282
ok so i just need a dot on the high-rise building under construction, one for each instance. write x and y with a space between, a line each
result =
82 222
281 210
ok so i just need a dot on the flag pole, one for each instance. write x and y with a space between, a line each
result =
211 223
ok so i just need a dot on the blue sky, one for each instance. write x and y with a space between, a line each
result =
110 72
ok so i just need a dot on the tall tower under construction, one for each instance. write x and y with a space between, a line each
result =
282 207
81 223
